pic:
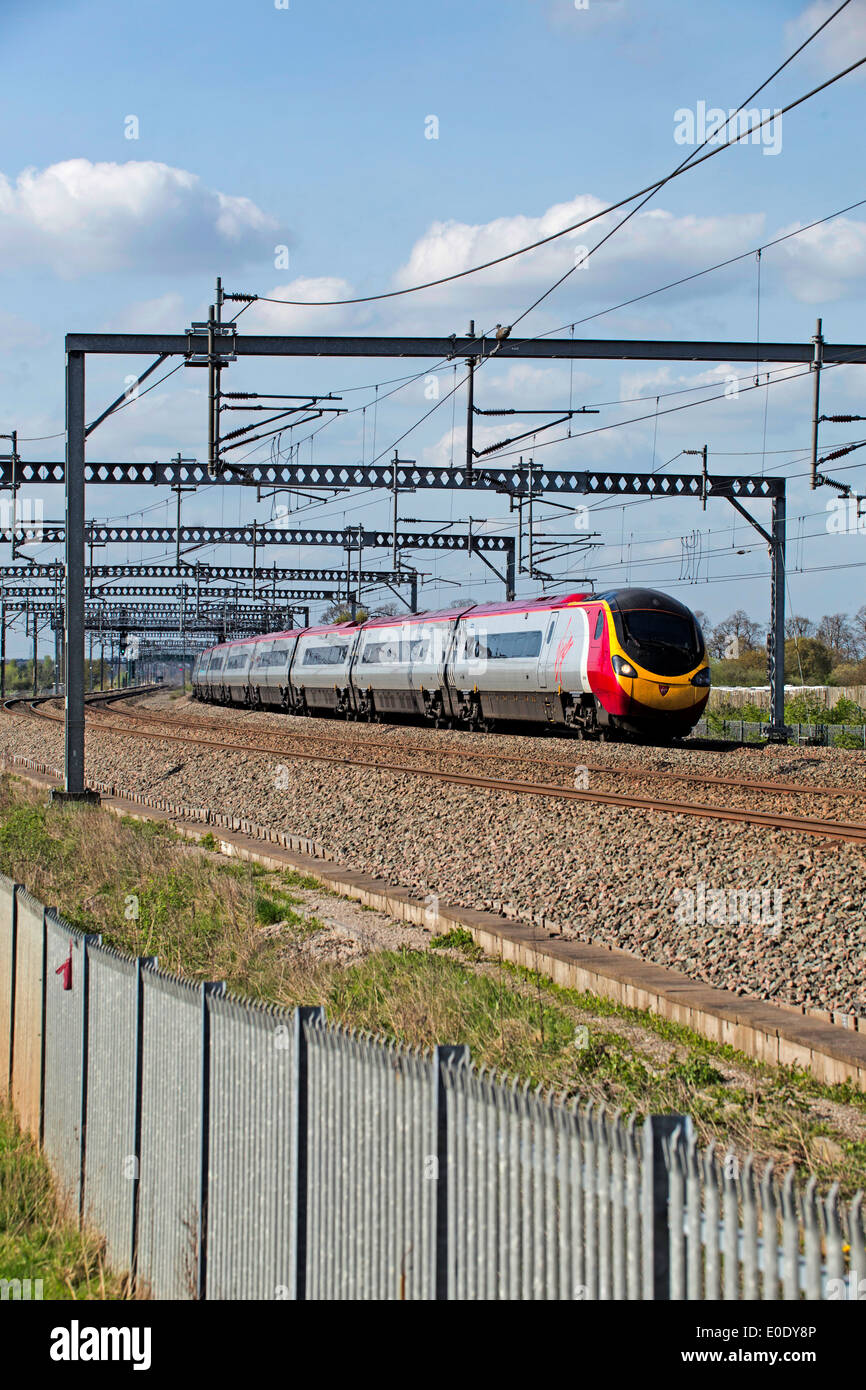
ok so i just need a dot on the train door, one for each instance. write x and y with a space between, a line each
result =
595 664
546 655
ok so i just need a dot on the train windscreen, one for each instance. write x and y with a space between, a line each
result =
663 642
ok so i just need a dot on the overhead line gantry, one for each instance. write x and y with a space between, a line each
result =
204 345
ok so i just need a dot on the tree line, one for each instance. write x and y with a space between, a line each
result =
829 652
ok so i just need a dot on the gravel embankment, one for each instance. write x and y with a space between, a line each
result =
659 885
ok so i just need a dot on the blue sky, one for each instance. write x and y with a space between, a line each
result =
304 127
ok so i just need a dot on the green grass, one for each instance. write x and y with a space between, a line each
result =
458 939
153 893
37 1242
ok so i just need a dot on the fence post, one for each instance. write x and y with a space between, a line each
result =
141 962
657 1129
208 988
13 961
446 1056
304 1014
44 1008
90 939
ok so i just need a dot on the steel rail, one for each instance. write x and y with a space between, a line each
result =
835 830
632 770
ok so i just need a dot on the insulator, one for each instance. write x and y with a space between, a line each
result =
844 488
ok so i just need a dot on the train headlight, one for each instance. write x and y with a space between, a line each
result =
701 677
623 667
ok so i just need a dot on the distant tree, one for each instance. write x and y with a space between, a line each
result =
796 626
848 673
749 669
837 633
735 635
386 610
340 613
807 660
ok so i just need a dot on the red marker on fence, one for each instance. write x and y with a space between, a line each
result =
66 970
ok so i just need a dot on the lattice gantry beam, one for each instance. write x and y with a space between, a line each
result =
559 482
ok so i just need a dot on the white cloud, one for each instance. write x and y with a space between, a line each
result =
841 43
656 247
287 318
526 384
653 247
165 314
826 262
77 217
586 18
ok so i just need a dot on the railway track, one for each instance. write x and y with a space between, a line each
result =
851 831
500 756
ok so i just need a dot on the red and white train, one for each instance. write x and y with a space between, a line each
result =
631 661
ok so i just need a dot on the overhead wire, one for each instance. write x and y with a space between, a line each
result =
690 162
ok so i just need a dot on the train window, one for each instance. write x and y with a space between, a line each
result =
217 663
650 628
277 656
599 622
499 646
419 650
326 656
382 653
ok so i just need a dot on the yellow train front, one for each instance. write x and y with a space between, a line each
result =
649 671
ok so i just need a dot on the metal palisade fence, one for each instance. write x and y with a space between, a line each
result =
225 1149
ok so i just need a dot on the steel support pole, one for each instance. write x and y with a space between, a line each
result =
470 406
817 363
74 599
2 649
776 645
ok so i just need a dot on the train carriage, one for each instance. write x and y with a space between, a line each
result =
399 664
269 671
213 682
630 662
236 671
199 674
319 673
